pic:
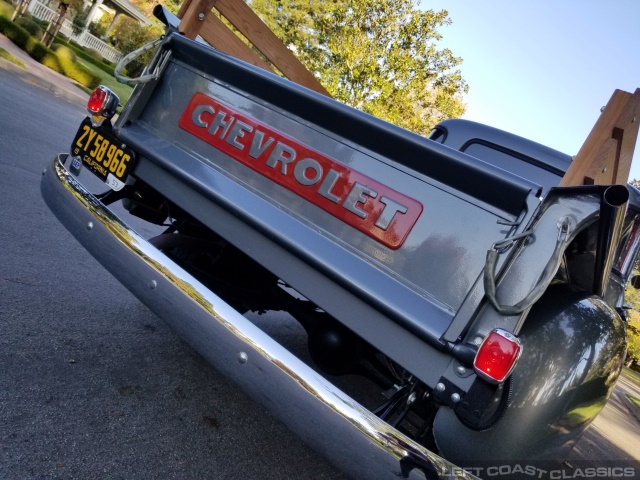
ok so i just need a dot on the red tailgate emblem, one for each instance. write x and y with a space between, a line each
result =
367 205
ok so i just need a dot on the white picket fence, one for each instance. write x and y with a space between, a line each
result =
85 39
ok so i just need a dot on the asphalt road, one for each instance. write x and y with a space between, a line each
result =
92 384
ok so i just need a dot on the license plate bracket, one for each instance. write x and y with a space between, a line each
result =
104 155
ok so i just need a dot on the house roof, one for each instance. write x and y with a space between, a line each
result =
129 9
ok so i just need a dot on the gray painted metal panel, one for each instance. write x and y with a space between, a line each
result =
388 336
440 241
423 283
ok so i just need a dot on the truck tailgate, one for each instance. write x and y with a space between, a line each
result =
400 222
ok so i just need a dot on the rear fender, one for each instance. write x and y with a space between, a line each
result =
573 348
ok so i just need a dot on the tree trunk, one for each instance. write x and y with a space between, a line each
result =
20 9
54 26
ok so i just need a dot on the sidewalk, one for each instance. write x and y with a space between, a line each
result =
39 75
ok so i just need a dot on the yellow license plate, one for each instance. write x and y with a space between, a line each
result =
103 154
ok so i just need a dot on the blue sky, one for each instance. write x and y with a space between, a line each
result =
543 69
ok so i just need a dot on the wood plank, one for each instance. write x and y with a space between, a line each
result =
629 124
249 24
618 121
192 22
218 35
183 8
599 172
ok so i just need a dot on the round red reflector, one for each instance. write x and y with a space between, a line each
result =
497 355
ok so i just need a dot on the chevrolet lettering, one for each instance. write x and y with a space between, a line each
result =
365 204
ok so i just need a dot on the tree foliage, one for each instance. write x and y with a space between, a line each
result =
632 297
127 35
147 6
380 57
633 335
79 22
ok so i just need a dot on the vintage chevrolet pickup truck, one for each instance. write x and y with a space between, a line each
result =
482 302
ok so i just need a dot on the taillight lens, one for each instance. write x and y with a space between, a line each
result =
497 356
103 102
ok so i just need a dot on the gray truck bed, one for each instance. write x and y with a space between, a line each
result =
418 281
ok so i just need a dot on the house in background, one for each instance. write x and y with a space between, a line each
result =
48 10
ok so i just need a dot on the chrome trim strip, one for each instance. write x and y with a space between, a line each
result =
350 436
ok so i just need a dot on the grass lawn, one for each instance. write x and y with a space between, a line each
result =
7 56
634 400
631 375
123 91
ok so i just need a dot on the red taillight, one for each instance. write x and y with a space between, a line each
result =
96 100
103 102
497 356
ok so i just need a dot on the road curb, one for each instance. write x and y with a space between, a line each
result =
26 75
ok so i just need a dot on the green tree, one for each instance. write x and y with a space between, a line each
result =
380 57
127 35
632 297
79 22
99 27
633 332
147 6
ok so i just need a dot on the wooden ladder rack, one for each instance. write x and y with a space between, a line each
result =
605 156
199 19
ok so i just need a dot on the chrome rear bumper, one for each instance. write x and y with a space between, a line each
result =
331 422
